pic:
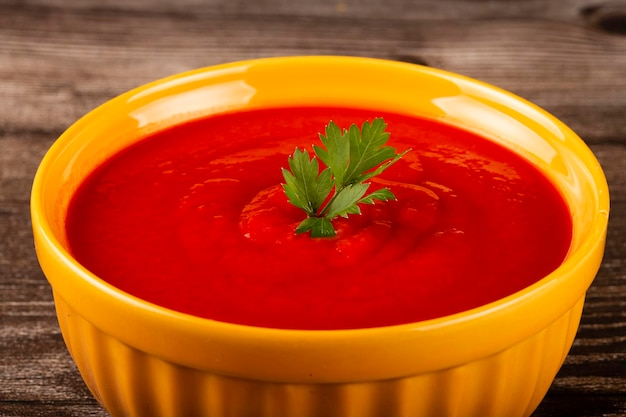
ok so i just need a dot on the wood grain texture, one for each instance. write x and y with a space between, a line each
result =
61 58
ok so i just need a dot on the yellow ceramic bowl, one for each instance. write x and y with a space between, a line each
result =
139 359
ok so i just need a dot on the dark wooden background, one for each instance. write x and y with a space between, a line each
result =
59 59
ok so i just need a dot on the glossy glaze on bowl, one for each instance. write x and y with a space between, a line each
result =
496 360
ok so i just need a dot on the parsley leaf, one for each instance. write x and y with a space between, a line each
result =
309 188
352 156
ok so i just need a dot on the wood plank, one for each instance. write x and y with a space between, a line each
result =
394 9
571 70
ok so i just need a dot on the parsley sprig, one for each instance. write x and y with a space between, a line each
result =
351 156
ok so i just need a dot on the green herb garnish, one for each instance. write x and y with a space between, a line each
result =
351 156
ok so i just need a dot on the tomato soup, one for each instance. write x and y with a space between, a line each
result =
194 219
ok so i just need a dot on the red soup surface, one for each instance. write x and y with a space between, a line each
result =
194 219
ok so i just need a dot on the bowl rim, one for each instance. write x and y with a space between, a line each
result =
478 321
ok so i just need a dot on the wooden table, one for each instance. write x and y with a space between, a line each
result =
59 59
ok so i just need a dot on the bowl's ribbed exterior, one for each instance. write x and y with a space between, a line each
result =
131 383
